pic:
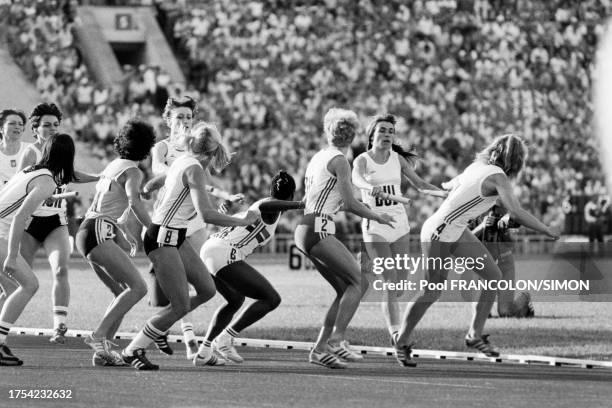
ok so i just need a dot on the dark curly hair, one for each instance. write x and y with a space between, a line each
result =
43 109
8 112
409 155
283 186
135 140
182 102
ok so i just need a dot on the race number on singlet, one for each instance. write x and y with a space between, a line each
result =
324 225
168 236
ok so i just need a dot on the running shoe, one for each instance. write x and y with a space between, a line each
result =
138 360
403 354
206 357
59 337
101 357
191 349
482 344
224 345
117 360
326 359
7 358
344 352
162 344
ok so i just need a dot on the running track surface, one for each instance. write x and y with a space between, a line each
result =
284 378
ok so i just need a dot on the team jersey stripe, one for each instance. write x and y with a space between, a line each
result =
250 236
464 209
175 207
461 208
325 195
318 202
8 210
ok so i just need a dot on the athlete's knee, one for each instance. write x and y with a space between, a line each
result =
273 300
30 287
60 272
139 288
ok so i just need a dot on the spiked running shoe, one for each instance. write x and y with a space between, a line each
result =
162 344
209 358
482 344
403 354
326 359
224 345
7 358
138 360
59 337
344 352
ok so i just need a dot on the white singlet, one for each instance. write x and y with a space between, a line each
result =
111 199
8 164
57 207
172 153
233 244
464 202
322 192
13 195
388 176
175 208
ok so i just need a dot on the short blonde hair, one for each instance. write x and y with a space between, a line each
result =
340 126
206 140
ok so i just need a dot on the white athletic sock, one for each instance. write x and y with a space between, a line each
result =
5 327
205 349
187 329
232 332
59 315
394 329
144 338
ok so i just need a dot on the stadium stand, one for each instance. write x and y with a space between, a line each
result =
456 72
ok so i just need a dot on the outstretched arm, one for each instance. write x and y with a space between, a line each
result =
421 185
502 185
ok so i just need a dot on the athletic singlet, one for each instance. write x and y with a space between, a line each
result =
388 176
463 203
248 238
172 152
322 191
175 208
56 207
111 199
15 192
8 164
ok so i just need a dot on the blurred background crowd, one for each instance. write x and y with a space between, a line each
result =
456 73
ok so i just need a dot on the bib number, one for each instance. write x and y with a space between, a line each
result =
168 236
107 229
324 225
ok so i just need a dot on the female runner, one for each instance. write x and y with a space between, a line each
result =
48 227
19 198
178 115
116 192
175 262
328 185
224 255
12 124
379 170
445 234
